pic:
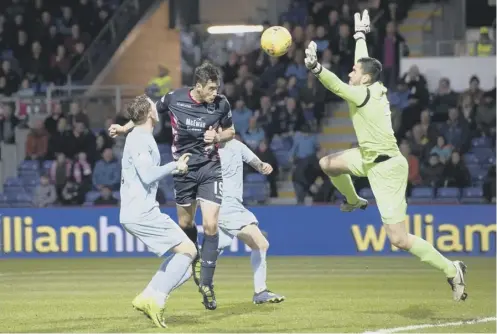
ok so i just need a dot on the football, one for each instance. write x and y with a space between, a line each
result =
276 41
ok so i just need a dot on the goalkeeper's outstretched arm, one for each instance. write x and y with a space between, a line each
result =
361 29
361 48
352 94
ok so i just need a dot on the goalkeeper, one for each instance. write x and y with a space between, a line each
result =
378 157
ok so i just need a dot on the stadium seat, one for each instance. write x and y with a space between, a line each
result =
23 174
13 182
277 144
421 195
46 165
448 195
91 196
24 197
475 171
481 142
29 165
255 178
30 181
254 192
472 195
282 158
366 193
471 159
483 154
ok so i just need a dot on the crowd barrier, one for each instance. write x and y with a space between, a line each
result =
291 231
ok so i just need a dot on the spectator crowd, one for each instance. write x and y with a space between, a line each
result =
41 40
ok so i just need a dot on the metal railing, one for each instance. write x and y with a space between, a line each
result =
451 48
99 102
108 39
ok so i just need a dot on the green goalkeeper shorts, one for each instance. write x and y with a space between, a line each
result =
388 180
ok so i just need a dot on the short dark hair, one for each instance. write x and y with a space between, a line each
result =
138 109
372 67
205 72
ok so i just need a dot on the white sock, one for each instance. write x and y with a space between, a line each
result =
258 261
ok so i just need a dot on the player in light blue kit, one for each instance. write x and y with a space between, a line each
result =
236 221
140 214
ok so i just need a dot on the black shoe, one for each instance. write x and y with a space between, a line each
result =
209 298
196 267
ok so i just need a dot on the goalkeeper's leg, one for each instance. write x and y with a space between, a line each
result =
338 167
390 198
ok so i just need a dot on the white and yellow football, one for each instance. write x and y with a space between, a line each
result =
276 41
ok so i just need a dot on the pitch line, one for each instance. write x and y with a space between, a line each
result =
423 326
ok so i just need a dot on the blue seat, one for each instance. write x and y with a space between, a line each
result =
3 198
29 165
473 192
255 178
28 174
452 193
471 159
472 195
366 193
24 197
29 190
91 196
282 158
421 195
423 192
277 144
13 182
483 154
255 192
481 142
47 164
11 197
475 171
30 181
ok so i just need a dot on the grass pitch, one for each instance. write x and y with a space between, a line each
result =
324 294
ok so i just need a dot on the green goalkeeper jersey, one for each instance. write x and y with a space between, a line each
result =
369 110
373 124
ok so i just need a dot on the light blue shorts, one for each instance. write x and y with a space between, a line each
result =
233 217
159 235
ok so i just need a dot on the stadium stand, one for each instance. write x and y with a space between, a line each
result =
279 110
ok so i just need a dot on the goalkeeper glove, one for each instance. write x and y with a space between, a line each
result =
311 59
361 25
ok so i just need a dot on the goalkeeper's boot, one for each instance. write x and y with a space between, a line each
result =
348 207
457 282
196 267
209 297
267 296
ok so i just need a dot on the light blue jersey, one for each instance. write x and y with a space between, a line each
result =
140 175
233 216
233 154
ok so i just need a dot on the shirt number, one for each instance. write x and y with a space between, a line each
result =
218 188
